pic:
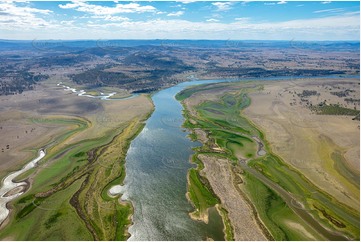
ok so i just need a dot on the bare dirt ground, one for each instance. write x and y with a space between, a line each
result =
21 137
306 140
219 174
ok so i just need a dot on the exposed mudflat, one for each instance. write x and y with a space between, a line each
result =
292 128
9 190
219 174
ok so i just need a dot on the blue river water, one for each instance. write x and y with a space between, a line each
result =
156 181
157 163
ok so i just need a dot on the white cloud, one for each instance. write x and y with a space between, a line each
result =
177 6
352 13
11 8
326 2
300 5
26 22
217 15
327 28
105 10
111 18
187 1
14 16
245 2
332 10
212 20
273 3
68 23
241 19
18 1
175 14
223 6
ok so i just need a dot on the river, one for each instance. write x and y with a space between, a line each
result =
156 182
157 163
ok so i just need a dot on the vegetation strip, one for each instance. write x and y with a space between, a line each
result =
227 130
97 163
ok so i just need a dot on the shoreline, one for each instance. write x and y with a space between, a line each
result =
202 217
228 232
8 186
186 112
76 152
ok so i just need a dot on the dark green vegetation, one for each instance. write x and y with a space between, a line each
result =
147 81
271 209
102 77
287 197
17 81
200 192
227 224
68 199
343 93
308 93
149 65
334 109
202 197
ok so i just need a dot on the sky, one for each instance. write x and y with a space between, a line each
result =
184 19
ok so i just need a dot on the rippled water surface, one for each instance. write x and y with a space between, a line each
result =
156 180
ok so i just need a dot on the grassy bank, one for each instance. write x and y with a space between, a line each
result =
68 197
231 134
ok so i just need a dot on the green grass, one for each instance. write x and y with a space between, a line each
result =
52 218
58 173
193 89
75 126
200 194
231 131
109 218
228 229
340 166
277 171
274 212
266 201
225 125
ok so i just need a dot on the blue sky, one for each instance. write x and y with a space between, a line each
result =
185 19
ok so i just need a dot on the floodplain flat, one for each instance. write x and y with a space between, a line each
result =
200 140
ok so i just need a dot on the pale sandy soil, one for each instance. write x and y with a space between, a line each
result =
306 140
196 215
220 176
115 113
201 135
303 139
18 130
298 228
24 136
